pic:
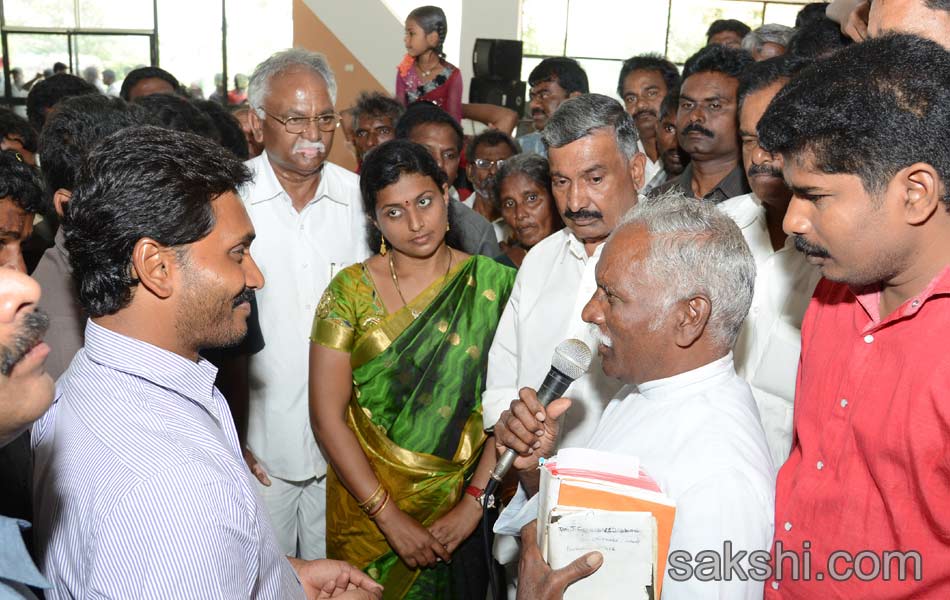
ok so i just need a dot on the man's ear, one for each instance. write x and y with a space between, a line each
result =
574 95
922 191
637 166
257 125
60 198
470 170
690 321
154 266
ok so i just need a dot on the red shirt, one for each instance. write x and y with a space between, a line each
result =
869 468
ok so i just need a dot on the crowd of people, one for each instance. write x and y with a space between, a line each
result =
230 368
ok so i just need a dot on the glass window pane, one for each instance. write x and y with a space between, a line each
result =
190 48
783 14
35 53
117 53
269 23
691 18
39 13
528 63
543 25
602 75
116 14
630 28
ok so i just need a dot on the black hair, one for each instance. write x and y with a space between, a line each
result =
422 112
491 137
141 182
74 129
938 5
432 19
20 182
717 59
567 72
383 166
809 13
46 93
377 104
818 39
762 74
650 62
734 25
136 75
671 103
230 134
13 125
58 66
533 166
175 112
868 110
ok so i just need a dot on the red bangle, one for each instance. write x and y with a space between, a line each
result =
474 492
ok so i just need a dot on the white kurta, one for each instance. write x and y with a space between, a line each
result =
298 253
698 435
555 282
769 343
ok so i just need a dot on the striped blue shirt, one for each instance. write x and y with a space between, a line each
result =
140 490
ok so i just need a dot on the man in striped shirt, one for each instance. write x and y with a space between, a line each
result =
140 487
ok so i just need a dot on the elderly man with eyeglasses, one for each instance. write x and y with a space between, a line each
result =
310 225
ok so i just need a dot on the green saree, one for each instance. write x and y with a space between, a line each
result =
415 407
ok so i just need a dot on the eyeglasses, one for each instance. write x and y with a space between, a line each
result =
484 163
297 125
379 131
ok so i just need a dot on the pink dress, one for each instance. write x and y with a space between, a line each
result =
445 91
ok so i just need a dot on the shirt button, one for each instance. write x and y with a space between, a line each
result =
820 465
788 526
844 403
868 339
915 303
774 585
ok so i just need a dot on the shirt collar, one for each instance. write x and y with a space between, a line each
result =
15 562
870 300
577 249
704 376
732 185
193 380
266 186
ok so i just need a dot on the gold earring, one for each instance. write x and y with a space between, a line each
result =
382 247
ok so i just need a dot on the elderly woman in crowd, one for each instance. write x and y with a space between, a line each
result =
397 368
523 189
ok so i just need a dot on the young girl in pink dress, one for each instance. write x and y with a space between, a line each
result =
424 73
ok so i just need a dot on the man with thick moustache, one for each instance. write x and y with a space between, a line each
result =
309 219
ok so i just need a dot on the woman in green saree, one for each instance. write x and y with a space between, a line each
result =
397 367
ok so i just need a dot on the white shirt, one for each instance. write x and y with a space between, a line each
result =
298 253
698 435
769 343
651 167
554 283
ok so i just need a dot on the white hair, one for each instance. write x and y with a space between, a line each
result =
697 249
768 33
293 58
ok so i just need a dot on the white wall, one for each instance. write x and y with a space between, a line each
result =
373 30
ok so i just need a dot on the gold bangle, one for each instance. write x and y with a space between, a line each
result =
375 513
373 498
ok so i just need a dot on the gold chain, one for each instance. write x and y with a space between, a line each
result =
392 271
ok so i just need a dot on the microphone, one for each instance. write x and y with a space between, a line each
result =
571 360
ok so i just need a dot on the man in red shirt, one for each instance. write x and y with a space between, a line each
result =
862 507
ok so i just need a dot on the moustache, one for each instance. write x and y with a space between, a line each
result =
245 296
537 112
643 113
302 145
765 170
600 337
809 249
697 128
582 214
27 336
